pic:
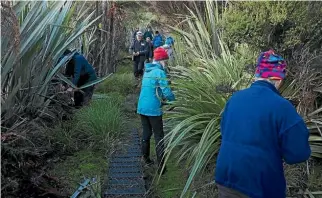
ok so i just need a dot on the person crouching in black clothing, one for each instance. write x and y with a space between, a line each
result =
140 52
82 72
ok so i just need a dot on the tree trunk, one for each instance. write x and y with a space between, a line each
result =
104 39
110 41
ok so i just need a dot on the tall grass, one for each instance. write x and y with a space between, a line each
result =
204 79
102 122
88 139
122 83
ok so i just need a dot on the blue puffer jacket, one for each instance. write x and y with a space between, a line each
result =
154 80
157 41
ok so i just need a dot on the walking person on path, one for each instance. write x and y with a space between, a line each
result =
148 33
81 72
157 40
140 52
135 33
260 129
155 88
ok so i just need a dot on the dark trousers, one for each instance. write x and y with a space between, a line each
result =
138 66
82 99
153 124
224 192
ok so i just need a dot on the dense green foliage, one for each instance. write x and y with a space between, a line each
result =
30 99
281 25
215 55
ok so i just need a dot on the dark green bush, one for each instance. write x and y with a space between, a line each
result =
281 25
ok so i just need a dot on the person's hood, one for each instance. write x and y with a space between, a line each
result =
166 46
151 66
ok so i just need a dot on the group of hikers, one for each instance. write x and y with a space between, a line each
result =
150 58
260 129
143 48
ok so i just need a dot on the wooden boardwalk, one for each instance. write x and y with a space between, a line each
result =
125 174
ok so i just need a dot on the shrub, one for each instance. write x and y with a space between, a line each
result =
280 25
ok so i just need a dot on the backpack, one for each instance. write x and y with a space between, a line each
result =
169 41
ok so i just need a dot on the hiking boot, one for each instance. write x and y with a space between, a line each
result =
146 152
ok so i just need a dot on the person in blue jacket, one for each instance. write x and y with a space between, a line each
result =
155 88
157 40
81 72
169 41
260 131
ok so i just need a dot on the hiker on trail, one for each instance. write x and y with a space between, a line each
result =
169 51
154 89
81 72
140 52
148 33
169 41
149 42
260 130
135 33
157 40
168 46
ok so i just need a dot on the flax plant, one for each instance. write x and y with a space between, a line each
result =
46 28
205 76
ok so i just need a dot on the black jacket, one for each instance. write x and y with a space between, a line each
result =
142 47
134 34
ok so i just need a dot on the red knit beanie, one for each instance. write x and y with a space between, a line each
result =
160 54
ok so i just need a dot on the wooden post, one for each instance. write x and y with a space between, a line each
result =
96 53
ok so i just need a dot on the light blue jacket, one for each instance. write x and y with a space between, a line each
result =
154 81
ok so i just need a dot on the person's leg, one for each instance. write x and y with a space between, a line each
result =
140 68
78 99
147 133
88 93
157 127
224 192
135 66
